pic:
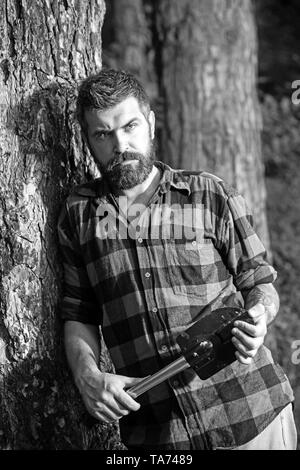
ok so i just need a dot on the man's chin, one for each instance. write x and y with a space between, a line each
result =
127 175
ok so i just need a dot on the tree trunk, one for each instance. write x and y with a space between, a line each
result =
204 70
208 81
45 47
128 42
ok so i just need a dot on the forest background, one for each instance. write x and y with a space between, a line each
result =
42 157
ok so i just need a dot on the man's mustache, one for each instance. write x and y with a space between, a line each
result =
123 157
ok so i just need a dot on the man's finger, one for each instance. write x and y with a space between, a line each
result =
243 359
125 400
244 350
111 412
249 342
130 381
113 406
251 330
259 329
103 417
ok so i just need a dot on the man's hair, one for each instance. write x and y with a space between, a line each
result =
107 89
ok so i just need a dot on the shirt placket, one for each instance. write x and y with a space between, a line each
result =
189 409
165 343
143 250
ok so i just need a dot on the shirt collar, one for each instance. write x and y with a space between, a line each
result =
172 177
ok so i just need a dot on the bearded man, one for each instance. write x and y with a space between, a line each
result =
147 286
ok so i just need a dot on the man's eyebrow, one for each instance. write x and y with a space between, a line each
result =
107 131
101 129
130 121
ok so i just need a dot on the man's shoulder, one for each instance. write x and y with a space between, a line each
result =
204 175
199 179
85 191
203 180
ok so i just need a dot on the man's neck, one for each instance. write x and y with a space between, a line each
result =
134 192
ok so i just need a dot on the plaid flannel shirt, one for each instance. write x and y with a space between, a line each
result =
144 279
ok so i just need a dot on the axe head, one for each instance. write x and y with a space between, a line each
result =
207 345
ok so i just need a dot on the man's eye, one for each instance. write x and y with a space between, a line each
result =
101 135
131 126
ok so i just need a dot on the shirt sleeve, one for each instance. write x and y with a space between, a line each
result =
79 301
244 253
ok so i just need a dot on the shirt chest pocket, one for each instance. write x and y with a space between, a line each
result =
191 266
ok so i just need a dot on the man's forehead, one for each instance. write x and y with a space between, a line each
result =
126 109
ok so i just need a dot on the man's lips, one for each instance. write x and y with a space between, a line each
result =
125 162
130 161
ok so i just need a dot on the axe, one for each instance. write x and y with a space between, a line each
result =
206 346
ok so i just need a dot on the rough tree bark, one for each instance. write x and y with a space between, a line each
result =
45 47
205 65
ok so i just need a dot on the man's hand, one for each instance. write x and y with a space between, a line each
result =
104 395
248 338
262 303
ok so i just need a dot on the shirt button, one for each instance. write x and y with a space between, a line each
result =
140 240
164 348
147 274
154 310
194 243
175 383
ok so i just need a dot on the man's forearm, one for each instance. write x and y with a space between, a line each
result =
82 346
265 294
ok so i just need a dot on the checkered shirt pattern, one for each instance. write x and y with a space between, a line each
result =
146 278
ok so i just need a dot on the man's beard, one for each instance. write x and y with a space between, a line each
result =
126 176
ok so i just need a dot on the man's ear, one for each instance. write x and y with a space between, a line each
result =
151 119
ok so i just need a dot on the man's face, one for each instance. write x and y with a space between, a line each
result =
120 139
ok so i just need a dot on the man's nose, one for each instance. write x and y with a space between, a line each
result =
120 144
